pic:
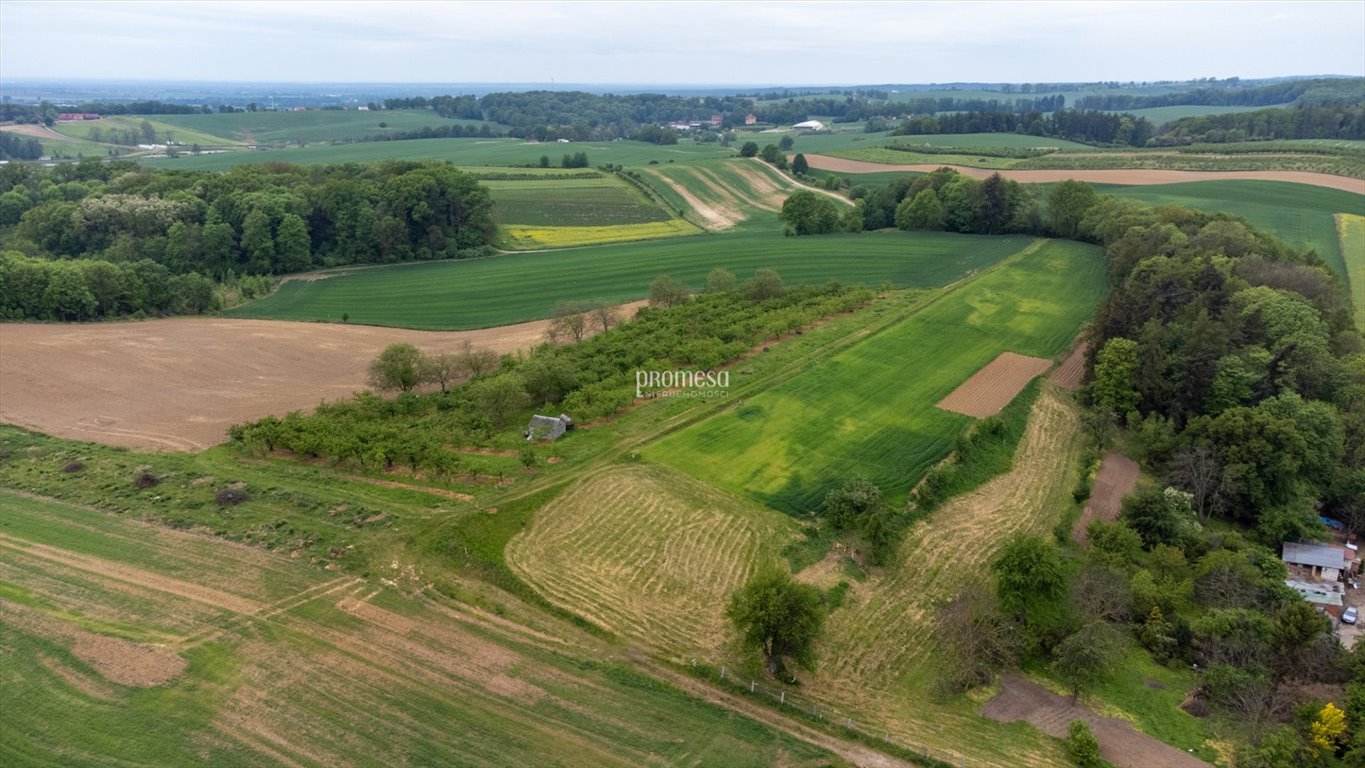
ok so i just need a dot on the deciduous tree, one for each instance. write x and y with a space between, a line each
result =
778 616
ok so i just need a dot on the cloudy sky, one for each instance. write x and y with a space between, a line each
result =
814 43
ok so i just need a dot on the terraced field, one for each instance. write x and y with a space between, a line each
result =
131 644
722 194
482 293
650 554
870 409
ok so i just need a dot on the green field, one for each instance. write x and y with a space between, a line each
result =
1351 229
1299 214
1162 115
596 202
459 151
498 290
308 126
870 410
129 644
165 130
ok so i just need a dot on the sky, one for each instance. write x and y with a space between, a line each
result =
677 42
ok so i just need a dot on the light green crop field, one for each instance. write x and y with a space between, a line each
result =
164 130
1299 214
131 644
1351 231
1006 140
459 151
493 291
314 125
871 409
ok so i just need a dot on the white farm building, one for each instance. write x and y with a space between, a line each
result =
810 126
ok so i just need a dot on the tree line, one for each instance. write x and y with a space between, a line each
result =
254 219
1084 126
16 147
1327 121
47 112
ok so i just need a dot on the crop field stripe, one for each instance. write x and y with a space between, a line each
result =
1351 229
482 293
870 409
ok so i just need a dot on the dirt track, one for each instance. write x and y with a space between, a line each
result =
1137 177
1117 477
1120 744
178 384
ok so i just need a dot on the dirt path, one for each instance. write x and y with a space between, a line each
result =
1117 477
179 383
1139 177
1120 744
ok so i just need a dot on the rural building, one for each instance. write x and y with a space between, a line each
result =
1327 597
548 427
750 119
810 126
1325 562
716 120
68 116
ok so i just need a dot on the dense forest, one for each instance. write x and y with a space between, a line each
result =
16 147
1089 127
253 220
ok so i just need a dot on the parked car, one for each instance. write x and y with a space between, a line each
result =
1349 616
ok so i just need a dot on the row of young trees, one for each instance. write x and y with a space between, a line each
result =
257 220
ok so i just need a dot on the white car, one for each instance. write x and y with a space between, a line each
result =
1349 616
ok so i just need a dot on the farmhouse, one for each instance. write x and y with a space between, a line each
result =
1325 562
548 427
750 119
809 126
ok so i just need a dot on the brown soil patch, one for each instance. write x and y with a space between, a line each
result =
1120 744
1138 177
992 388
179 383
1068 375
715 217
1117 477
36 131
115 659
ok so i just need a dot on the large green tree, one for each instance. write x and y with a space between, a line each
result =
778 616
809 213
399 366
923 211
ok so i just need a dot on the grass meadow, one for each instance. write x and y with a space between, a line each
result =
870 409
164 129
1351 229
308 126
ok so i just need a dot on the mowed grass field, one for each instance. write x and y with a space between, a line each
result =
1351 230
650 554
129 644
499 290
1301 215
503 152
870 410
308 126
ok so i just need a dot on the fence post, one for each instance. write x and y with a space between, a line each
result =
783 700
722 673
752 683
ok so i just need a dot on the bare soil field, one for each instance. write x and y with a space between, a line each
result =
1120 744
992 388
36 131
1117 477
1068 375
1136 177
179 383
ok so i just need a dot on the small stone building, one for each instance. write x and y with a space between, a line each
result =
548 427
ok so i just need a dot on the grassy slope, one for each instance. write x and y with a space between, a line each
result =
1352 233
1300 215
458 151
181 134
1161 115
870 410
359 676
508 289
571 202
